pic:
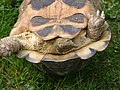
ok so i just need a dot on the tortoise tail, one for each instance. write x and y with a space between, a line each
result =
9 45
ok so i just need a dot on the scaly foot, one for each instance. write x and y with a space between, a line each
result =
96 25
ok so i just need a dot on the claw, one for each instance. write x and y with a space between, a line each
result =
103 15
98 13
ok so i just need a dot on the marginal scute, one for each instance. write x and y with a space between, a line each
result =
99 45
75 3
106 35
34 57
86 52
23 53
38 4
39 20
23 6
77 18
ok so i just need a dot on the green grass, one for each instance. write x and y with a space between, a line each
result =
102 74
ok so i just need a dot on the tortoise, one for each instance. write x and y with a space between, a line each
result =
58 36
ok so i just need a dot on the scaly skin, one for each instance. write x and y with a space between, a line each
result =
9 45
96 25
12 44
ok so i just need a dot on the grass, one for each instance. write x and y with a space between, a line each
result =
102 74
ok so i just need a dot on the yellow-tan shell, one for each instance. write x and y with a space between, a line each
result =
50 19
53 18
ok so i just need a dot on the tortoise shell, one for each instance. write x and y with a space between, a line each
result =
52 19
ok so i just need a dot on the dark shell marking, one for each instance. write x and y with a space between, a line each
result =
38 4
39 20
75 3
107 42
29 58
70 29
93 51
77 18
45 31
66 28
